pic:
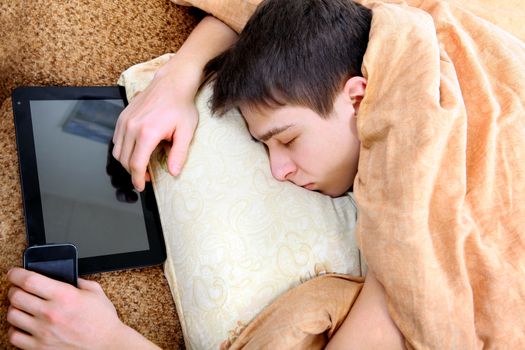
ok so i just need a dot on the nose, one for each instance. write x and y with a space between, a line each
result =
281 165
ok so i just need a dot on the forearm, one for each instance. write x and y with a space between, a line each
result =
129 339
368 325
209 38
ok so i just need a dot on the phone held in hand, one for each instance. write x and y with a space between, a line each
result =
57 261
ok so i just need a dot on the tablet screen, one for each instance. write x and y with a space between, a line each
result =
87 197
73 190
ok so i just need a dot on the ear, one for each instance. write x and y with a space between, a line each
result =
354 91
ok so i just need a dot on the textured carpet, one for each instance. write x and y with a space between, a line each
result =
83 42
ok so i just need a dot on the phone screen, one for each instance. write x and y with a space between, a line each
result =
54 261
62 270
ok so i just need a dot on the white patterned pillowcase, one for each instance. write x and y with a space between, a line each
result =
235 237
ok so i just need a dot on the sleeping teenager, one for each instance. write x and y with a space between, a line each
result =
419 111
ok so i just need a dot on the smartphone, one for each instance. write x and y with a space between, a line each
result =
57 261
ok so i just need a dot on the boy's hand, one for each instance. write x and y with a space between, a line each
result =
48 314
166 110
163 111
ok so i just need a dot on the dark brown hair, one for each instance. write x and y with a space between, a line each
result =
296 52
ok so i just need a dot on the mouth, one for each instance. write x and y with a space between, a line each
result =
309 186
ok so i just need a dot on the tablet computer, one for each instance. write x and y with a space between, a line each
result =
73 190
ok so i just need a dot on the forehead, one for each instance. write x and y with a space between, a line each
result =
258 116
264 122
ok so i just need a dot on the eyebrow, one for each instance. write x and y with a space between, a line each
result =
271 133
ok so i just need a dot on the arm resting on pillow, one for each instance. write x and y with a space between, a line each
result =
165 110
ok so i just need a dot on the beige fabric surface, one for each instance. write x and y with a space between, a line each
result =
83 42
441 181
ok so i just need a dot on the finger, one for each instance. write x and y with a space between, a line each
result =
91 286
35 283
20 339
118 136
128 146
117 142
139 161
24 301
179 150
21 320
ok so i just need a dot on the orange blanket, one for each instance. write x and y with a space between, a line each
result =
303 318
441 181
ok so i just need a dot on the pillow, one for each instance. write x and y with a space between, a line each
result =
236 238
233 13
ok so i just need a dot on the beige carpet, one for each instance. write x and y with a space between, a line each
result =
83 42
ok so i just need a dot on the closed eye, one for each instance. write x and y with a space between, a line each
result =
290 142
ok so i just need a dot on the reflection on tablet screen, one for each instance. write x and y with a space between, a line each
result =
87 197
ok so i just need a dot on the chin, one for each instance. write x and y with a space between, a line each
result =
333 193
337 191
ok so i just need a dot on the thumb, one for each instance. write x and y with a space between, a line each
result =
179 150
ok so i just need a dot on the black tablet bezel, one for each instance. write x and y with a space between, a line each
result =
34 220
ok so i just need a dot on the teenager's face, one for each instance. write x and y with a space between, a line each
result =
316 153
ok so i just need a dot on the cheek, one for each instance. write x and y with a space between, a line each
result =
339 153
310 157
